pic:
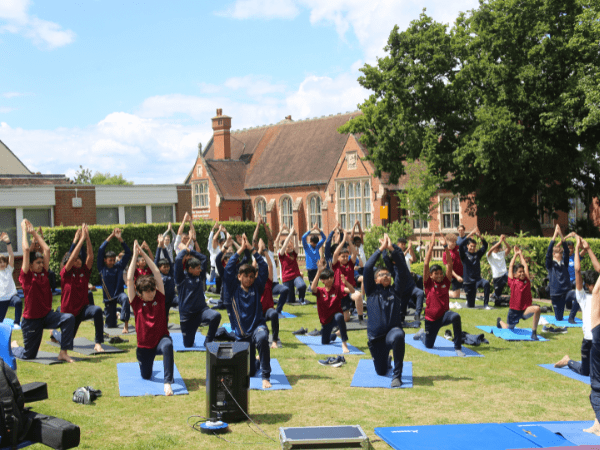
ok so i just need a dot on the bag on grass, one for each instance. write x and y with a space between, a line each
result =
52 431
14 423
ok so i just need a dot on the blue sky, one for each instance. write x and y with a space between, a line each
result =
130 87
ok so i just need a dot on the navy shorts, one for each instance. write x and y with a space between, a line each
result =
514 315
347 303
456 285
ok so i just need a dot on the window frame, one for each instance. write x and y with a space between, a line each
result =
17 243
312 217
200 195
348 210
450 197
283 214
257 209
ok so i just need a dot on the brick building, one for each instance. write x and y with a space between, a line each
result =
52 200
299 172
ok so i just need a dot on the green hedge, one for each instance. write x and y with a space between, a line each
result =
60 238
533 247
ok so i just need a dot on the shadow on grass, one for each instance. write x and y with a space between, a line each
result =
428 381
271 419
293 379
195 384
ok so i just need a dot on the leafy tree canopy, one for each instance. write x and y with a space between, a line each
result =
84 176
507 101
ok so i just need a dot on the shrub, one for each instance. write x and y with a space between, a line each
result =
60 238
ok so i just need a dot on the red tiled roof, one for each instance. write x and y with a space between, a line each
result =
229 177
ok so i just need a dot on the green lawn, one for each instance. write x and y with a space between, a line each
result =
504 386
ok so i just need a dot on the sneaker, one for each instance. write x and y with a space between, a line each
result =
572 321
534 337
418 334
300 331
396 383
332 338
279 344
314 332
16 327
562 330
117 340
448 335
487 307
458 305
460 353
498 320
333 361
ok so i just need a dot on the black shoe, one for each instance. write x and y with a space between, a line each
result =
332 338
498 320
333 361
300 331
117 340
418 334
448 335
572 321
314 332
396 383
534 336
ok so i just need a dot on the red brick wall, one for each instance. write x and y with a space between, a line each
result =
184 202
65 214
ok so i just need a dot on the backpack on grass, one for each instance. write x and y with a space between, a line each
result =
14 422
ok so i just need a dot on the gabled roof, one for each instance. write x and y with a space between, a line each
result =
10 164
228 177
289 153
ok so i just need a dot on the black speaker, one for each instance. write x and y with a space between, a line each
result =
227 380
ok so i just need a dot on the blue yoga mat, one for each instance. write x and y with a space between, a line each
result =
278 379
286 315
489 436
565 371
516 334
573 432
365 376
563 323
197 347
131 383
334 348
441 347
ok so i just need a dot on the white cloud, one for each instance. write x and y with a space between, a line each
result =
264 9
13 94
254 86
6 109
370 21
14 14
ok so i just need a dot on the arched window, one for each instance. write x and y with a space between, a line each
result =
261 208
287 215
314 211
354 203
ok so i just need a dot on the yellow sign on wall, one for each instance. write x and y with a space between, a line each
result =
383 212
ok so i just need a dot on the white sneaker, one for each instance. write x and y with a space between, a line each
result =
16 327
488 308
458 305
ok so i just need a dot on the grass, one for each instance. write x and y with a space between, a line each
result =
504 386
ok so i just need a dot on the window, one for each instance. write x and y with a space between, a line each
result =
450 212
314 209
577 210
135 214
287 214
354 200
201 195
261 207
107 216
8 224
419 224
199 170
39 217
162 214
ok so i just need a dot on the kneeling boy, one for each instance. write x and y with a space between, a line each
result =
329 303
147 299
437 311
520 306
245 288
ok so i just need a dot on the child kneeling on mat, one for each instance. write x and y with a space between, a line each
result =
329 303
147 299
520 306
437 312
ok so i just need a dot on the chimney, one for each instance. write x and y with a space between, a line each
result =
288 117
221 126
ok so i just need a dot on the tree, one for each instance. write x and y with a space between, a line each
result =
507 101
84 176
419 189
